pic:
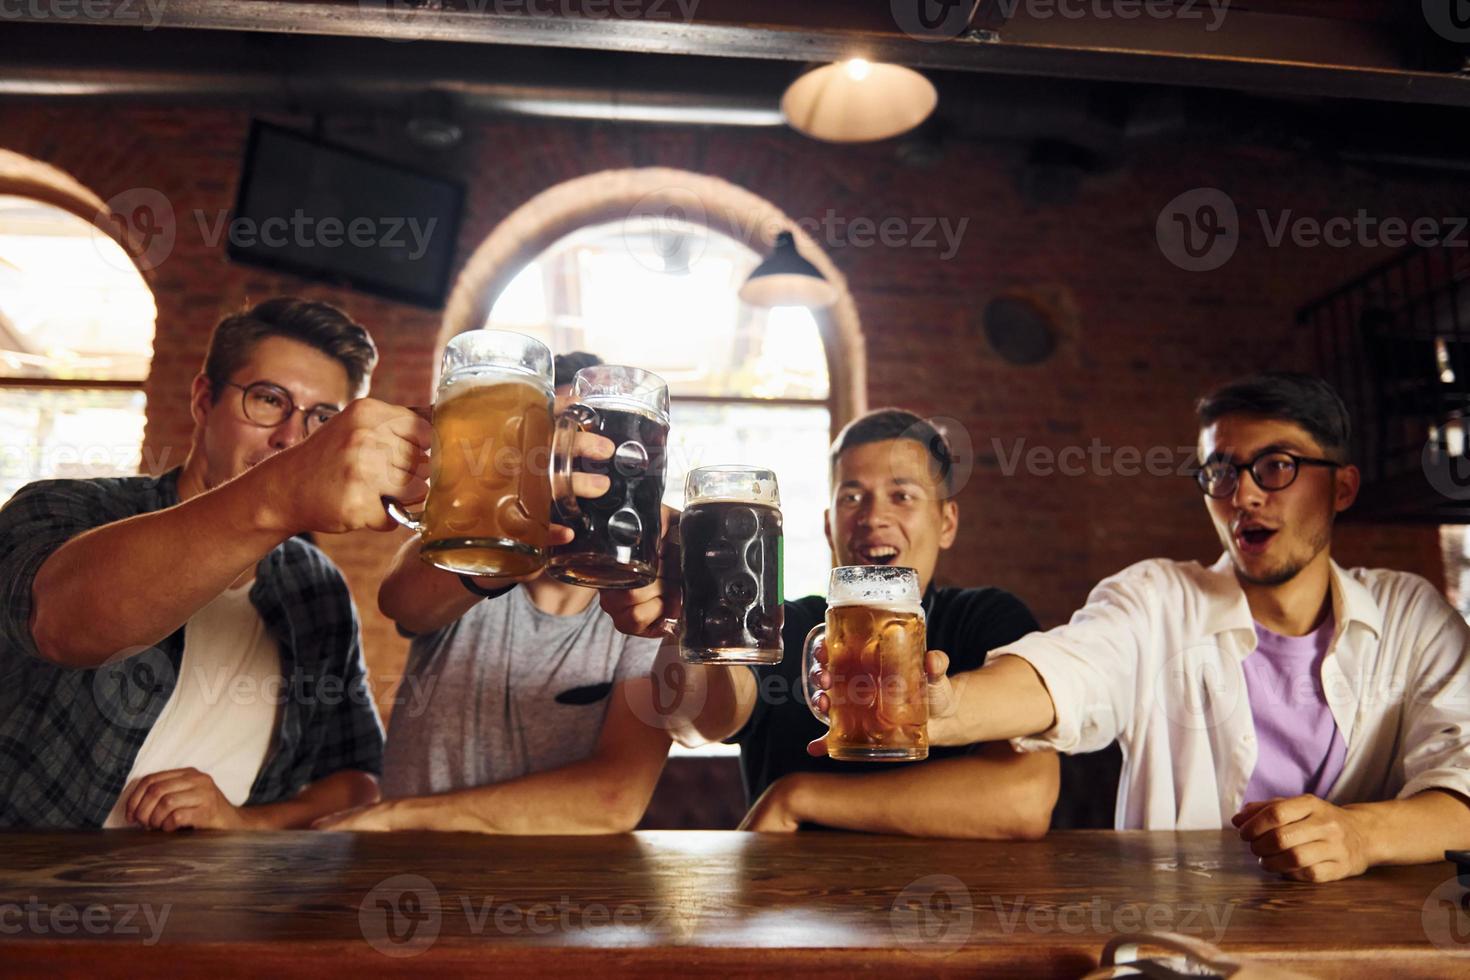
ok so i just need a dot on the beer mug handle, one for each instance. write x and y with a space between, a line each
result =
577 418
413 520
810 668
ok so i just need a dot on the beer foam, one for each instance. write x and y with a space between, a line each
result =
908 608
874 585
470 378
619 403
726 499
729 483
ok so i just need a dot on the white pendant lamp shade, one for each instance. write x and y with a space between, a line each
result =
858 101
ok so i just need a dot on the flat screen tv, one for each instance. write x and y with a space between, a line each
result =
332 213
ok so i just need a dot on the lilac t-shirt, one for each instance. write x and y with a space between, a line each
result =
1299 747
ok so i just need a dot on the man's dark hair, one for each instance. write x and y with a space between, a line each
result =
564 367
317 325
883 424
1287 396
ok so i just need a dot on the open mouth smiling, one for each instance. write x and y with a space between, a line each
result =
877 554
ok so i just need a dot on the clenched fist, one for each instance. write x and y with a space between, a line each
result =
336 480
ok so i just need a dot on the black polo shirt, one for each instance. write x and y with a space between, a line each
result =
966 624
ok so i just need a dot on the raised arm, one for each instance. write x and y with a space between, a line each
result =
694 704
1004 699
1071 689
129 584
698 704
421 598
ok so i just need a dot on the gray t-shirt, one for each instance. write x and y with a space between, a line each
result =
504 691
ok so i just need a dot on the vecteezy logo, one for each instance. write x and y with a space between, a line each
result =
1199 230
400 917
1450 19
142 221
1446 916
1448 474
952 432
1197 692
933 914
667 231
933 20
128 686
669 698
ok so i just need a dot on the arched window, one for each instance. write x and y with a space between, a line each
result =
643 266
748 385
76 339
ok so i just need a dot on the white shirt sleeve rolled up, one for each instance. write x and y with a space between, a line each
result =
1154 660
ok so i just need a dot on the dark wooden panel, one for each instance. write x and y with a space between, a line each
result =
1372 11
1354 57
702 903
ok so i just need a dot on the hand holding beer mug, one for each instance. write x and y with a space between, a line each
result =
655 609
616 543
877 698
489 506
730 555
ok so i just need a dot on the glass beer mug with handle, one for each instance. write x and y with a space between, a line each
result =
617 535
877 704
730 549
489 506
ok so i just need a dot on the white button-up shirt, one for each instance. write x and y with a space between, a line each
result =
1154 660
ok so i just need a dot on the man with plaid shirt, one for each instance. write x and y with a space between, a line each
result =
172 653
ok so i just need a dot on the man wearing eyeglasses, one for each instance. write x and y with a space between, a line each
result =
172 654
1320 711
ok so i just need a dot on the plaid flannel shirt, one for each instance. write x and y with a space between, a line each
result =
68 736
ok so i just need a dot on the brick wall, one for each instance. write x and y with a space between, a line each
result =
1139 337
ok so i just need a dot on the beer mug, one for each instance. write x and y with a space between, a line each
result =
730 560
877 704
489 506
616 542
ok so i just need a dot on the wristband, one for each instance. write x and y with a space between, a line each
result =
469 583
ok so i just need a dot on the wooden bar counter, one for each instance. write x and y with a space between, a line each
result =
688 903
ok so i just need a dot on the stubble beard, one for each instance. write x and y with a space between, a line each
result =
1290 567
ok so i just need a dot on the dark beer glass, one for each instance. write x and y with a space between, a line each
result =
730 548
616 543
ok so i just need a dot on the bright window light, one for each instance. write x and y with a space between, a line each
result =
664 296
72 308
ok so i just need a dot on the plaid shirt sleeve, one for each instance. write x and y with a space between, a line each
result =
341 729
39 519
349 735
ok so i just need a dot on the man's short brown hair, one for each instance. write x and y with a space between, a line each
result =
883 424
1286 396
317 325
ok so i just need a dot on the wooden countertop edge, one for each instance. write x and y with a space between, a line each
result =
308 957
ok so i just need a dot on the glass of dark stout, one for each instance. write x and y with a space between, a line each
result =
730 559
616 543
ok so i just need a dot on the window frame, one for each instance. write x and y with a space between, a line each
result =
38 182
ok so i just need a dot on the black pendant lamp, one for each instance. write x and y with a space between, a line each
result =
787 279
